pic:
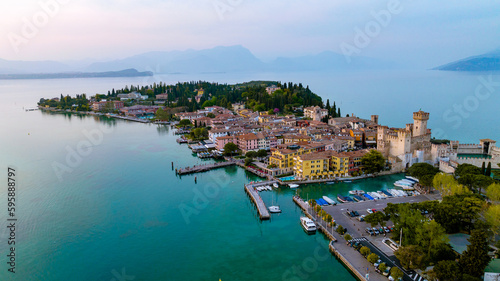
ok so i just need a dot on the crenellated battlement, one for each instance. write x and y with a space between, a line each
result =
421 115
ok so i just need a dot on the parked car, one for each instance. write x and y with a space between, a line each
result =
375 230
369 231
369 211
374 210
361 218
386 229
356 214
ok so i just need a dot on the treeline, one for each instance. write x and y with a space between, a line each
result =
79 103
252 94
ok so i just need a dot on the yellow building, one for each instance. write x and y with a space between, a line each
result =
289 139
313 166
283 157
321 165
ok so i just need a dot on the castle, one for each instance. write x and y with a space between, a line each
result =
405 146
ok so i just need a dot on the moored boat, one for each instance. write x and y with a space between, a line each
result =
274 209
292 185
329 200
308 224
357 198
387 193
275 185
341 198
356 192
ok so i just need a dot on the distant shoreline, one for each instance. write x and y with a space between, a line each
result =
68 75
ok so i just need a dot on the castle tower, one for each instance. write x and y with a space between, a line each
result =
420 119
375 119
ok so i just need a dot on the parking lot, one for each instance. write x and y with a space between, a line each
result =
358 229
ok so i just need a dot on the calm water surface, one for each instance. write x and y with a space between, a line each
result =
94 213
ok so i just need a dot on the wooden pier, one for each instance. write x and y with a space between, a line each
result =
257 200
203 168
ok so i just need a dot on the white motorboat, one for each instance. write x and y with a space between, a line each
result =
356 192
374 195
329 200
308 224
274 209
381 194
293 185
275 185
412 178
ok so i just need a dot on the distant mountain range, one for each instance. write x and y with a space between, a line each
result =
485 62
122 73
215 60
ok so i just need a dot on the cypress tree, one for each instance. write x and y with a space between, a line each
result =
338 113
475 259
488 170
483 169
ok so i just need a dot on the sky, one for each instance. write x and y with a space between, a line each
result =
422 33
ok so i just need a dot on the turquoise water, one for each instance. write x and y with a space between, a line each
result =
116 206
289 178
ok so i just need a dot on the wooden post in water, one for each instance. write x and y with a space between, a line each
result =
176 171
172 165
194 179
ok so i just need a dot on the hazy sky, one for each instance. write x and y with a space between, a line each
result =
424 33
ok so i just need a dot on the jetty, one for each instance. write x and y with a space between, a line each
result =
257 200
203 168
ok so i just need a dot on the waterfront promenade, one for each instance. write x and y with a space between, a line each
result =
351 258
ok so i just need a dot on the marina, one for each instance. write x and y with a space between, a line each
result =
251 190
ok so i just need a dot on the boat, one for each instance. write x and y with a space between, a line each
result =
268 187
341 198
412 178
330 182
274 209
292 185
367 196
357 198
408 188
329 200
394 192
374 195
356 192
308 224
387 193
347 181
381 194
322 202
275 185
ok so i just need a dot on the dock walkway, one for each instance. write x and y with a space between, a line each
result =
203 168
351 258
259 203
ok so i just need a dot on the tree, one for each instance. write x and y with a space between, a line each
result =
464 169
396 273
493 192
230 148
251 154
488 170
426 180
373 162
447 185
382 267
372 258
483 168
431 236
248 161
475 259
211 115
419 170
411 257
261 153
347 237
365 251
184 123
340 229
492 216
446 270
376 218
